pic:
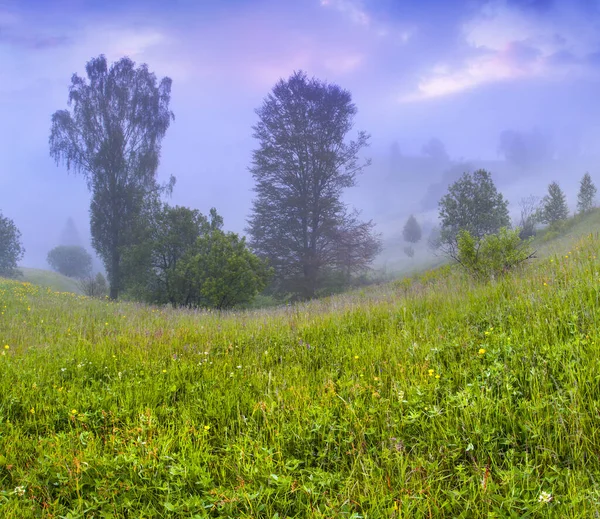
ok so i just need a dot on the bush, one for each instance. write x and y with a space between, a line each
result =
94 286
494 254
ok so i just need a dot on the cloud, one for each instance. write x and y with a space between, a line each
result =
508 41
351 9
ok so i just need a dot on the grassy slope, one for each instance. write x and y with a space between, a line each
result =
47 278
437 399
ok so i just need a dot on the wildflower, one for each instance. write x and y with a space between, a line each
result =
164 370
355 357
437 376
6 347
481 351
545 497
32 410
73 411
206 427
20 491
431 372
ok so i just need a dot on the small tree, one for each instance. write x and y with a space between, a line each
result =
11 248
472 204
70 260
409 251
412 230
494 254
530 210
93 286
587 194
554 205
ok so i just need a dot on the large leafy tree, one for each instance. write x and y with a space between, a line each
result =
11 248
472 204
554 205
301 167
70 260
112 135
587 194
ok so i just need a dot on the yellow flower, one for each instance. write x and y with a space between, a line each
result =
32 410
6 346
73 411
431 372
355 357
206 427
437 376
164 370
481 351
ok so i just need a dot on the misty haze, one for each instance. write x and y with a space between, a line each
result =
323 258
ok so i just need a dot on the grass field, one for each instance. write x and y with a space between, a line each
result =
49 279
432 397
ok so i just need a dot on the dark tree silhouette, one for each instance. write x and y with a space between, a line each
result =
301 167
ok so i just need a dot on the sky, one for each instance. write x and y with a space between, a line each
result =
442 87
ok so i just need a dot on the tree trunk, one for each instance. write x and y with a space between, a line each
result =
115 274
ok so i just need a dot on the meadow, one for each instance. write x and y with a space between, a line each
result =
433 396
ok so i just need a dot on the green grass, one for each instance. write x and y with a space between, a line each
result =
434 397
49 279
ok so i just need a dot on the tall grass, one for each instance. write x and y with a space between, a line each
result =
432 398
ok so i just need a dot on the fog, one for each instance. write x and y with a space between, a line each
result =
442 87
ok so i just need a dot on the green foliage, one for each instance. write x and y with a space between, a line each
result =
184 258
165 235
113 137
586 198
554 205
494 254
472 204
444 399
70 260
301 167
223 272
412 230
11 248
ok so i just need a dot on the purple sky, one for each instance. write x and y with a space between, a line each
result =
512 85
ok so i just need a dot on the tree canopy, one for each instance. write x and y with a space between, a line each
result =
70 260
184 258
112 135
301 167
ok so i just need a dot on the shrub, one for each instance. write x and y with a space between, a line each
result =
94 286
494 254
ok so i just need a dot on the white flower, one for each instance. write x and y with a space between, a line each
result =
545 497
20 491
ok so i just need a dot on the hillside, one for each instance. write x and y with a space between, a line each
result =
434 398
50 279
